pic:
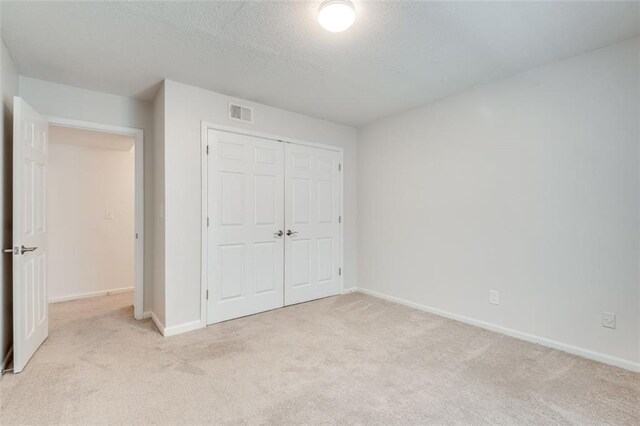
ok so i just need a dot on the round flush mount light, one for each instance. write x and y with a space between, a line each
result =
336 15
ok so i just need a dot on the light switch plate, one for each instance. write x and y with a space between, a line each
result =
494 297
609 320
108 214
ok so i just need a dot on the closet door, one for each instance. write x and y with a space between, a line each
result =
312 208
246 217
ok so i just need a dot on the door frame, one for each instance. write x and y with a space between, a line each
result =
138 135
205 126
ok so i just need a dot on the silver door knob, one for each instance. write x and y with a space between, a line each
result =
278 234
291 233
24 249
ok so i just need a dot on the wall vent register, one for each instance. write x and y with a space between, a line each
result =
240 113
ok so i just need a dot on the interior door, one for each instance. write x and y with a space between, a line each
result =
312 215
246 220
30 159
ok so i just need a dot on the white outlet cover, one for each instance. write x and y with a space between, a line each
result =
609 320
108 214
494 297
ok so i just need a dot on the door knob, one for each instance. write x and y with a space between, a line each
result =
24 249
291 233
278 234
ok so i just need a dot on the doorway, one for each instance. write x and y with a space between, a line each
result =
30 251
97 242
90 214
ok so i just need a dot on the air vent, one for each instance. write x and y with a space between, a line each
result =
240 113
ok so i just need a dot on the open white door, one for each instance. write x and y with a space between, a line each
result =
30 159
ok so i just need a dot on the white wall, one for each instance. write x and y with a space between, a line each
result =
58 100
529 186
8 89
186 107
89 254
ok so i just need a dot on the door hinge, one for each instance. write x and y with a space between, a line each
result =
136 235
339 167
207 149
339 271
339 219
207 294
207 221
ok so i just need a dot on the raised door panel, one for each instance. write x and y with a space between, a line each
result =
265 207
300 201
265 256
299 262
232 267
326 213
326 259
232 198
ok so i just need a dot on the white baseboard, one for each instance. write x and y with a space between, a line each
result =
175 329
349 290
182 328
5 361
146 315
90 294
574 350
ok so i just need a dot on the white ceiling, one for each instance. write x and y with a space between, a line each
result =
398 55
90 138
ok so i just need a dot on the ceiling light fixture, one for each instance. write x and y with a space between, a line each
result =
336 15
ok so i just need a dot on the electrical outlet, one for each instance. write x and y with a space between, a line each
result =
609 319
108 214
494 297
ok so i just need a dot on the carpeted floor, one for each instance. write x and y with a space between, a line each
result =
346 359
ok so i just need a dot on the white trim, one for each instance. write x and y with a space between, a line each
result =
5 361
350 290
271 136
175 329
146 315
341 214
91 294
205 125
574 350
138 134
182 328
204 250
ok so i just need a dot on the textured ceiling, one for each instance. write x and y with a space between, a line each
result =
398 55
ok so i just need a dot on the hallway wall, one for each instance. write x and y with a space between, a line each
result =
90 215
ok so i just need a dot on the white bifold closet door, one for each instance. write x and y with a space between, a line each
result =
274 225
246 213
312 209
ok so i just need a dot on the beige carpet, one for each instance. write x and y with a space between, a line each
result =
346 359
